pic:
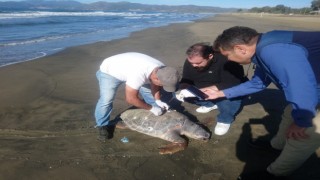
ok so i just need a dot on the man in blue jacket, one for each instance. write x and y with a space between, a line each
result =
291 60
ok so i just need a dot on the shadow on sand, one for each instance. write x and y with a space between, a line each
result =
273 102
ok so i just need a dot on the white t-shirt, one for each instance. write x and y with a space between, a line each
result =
132 68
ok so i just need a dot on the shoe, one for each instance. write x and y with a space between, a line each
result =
221 128
260 175
105 132
262 144
204 109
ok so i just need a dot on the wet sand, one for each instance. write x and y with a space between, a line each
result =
47 124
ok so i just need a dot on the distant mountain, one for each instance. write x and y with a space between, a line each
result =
41 5
104 6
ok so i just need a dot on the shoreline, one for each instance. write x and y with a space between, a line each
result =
103 39
301 18
47 106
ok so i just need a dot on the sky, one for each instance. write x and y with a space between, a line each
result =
217 3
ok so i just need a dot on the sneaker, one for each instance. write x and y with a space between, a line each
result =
105 132
221 128
260 175
262 144
204 109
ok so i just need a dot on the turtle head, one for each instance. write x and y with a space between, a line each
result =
195 131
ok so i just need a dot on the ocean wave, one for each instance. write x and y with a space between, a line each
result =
39 55
46 32
37 14
52 38
29 56
32 41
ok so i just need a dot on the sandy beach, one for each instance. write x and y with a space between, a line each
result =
47 124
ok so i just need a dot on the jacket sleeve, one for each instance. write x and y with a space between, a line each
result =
258 83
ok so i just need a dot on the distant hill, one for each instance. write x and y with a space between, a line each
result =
104 6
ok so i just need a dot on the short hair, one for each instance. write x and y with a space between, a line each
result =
200 49
234 36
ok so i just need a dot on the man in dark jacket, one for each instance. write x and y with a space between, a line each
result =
203 68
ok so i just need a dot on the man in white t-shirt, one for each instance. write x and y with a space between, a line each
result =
142 75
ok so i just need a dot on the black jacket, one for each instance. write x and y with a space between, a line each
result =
221 73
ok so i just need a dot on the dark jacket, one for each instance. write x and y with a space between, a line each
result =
221 73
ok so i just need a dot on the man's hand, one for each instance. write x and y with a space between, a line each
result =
183 94
296 132
163 105
156 110
212 92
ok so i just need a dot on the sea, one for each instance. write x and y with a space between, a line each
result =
28 35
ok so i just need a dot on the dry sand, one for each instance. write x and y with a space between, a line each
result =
47 124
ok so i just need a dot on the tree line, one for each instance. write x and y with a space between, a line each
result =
281 9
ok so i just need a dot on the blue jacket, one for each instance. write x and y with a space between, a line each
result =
291 60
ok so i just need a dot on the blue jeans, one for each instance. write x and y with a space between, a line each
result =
228 108
108 86
145 93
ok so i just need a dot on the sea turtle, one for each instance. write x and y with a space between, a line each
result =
170 126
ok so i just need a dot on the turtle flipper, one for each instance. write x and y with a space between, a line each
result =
179 143
173 148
